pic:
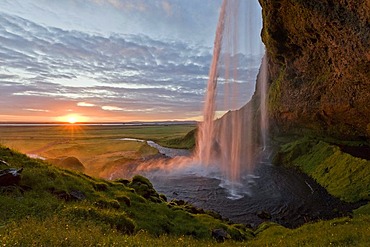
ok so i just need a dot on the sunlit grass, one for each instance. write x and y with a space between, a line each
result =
99 148
114 214
336 232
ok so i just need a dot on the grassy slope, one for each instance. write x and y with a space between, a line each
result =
35 216
111 212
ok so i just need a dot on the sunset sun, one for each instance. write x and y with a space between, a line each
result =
72 119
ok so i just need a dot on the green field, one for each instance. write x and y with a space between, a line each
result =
43 210
97 147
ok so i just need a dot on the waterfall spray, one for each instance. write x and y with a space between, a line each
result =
206 129
230 144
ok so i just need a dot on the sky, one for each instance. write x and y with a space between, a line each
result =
116 60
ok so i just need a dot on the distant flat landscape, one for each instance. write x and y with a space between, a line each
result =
100 147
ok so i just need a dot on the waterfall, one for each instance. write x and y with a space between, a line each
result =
263 79
206 129
231 144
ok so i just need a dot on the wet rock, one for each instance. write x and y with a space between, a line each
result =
11 176
319 65
220 235
264 215
77 195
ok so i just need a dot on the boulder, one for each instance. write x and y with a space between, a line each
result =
10 176
220 235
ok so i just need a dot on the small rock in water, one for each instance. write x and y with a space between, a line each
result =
264 215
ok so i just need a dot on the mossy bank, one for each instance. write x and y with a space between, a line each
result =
55 207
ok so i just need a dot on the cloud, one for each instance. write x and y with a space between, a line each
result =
84 104
112 108
36 110
132 73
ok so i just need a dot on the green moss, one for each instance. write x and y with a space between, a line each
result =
343 175
275 92
31 215
266 225
100 186
103 203
117 220
144 188
364 210
337 232
185 142
124 200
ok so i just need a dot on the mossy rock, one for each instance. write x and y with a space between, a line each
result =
163 197
264 226
124 199
100 186
144 188
138 179
102 203
364 210
123 181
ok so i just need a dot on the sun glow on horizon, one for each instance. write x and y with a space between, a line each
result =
72 118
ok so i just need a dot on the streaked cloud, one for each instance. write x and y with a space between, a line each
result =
112 108
77 70
36 110
84 104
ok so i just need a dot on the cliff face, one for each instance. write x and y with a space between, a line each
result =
319 66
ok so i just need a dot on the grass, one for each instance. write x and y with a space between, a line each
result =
30 138
43 211
336 232
44 198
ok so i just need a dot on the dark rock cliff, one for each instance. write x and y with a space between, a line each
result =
319 66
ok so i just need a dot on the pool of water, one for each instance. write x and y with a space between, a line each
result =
270 193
